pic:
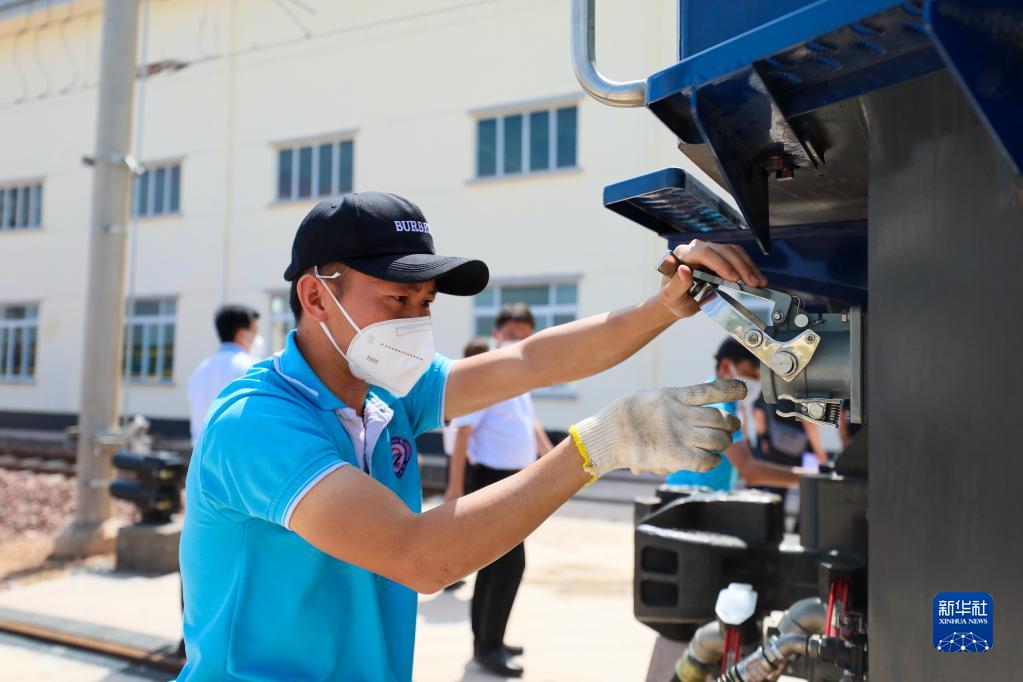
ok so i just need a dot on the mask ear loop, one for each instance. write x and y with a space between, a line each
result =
330 337
323 325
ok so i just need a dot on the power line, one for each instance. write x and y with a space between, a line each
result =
288 42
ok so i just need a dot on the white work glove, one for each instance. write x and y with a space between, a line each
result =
661 430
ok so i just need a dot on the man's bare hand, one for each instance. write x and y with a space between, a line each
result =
724 260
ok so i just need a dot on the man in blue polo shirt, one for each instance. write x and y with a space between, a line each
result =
304 545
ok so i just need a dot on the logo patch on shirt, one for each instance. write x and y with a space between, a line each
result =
401 453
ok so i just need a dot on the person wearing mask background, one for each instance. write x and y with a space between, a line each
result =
733 361
304 540
480 344
497 442
241 346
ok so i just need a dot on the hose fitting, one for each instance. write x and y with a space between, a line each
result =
767 660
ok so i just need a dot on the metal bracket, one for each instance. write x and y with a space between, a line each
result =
821 411
786 359
748 142
133 164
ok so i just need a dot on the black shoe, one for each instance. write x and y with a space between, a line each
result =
513 650
498 662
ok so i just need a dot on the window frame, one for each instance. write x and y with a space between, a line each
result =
151 168
525 110
285 318
160 319
335 140
34 189
550 310
7 329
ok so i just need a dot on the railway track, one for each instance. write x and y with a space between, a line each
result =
42 459
53 452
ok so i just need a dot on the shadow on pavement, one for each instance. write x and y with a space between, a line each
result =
445 607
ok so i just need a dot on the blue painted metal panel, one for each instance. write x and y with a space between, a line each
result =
703 24
874 52
751 97
982 41
669 202
827 260
762 42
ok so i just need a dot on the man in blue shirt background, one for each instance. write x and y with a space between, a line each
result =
734 361
304 546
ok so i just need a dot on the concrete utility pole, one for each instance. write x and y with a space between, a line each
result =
92 532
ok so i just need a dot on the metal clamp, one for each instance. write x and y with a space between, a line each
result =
821 411
785 358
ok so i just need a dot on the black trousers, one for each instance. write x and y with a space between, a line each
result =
498 583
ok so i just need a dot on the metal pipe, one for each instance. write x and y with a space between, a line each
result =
806 616
704 651
584 56
767 660
788 645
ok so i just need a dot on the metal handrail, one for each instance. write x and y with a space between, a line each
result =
584 55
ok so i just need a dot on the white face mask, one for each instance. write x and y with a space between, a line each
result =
392 354
753 388
257 348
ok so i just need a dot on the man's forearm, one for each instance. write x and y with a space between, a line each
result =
758 472
582 348
459 455
461 536
543 442
456 470
814 437
769 474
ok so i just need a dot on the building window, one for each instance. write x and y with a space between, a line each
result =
157 191
526 142
314 170
281 321
21 206
551 303
18 331
149 340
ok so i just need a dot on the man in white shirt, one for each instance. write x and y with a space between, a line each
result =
240 342
498 442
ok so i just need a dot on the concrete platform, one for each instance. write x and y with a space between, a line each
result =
28 660
573 615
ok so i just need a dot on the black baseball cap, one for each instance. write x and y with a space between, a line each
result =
381 235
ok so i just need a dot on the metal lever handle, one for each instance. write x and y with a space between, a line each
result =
584 62
786 359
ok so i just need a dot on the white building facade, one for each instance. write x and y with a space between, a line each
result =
470 109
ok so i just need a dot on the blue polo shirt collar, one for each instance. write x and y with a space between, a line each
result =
294 369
